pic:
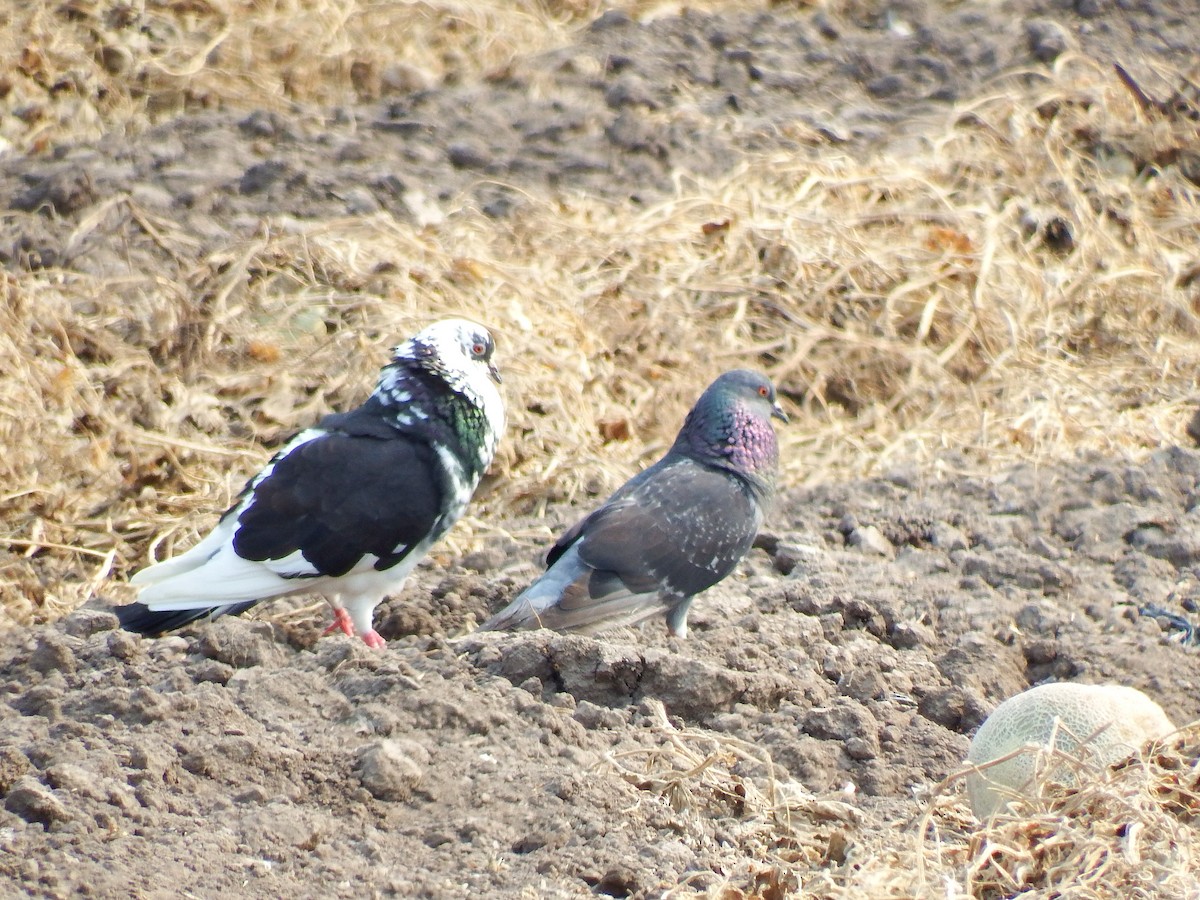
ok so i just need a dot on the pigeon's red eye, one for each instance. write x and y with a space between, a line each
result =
479 348
764 392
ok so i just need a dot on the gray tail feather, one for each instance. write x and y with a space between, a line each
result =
540 598
142 619
541 605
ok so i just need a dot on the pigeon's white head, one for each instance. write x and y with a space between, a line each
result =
451 346
460 353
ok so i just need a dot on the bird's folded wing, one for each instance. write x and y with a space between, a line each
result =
336 499
680 531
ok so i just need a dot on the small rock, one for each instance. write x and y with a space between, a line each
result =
42 700
869 539
392 770
262 176
861 749
63 192
825 26
213 671
788 555
1193 427
124 645
864 684
34 802
847 721
152 761
261 124
907 477
52 654
957 708
360 201
1044 548
629 90
1041 652
468 156
169 647
13 764
947 538
619 881
909 635
592 715
885 86
85 622
255 794
1047 39
239 643
629 132
1179 546
613 18
403 78
487 559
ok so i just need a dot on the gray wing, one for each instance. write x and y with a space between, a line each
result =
676 529
680 531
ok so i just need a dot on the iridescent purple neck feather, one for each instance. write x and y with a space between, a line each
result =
729 427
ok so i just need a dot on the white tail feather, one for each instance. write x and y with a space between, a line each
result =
192 559
220 579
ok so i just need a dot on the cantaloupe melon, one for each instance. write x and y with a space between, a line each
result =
1128 717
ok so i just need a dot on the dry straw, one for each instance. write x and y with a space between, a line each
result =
1126 831
782 831
1129 830
1004 293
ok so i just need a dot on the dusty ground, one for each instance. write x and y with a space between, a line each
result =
825 690
822 693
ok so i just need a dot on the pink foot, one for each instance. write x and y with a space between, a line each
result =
373 640
342 623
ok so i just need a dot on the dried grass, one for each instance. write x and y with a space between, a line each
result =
782 831
920 301
86 66
1126 831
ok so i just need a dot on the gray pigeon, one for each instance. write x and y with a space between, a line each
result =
671 531
347 508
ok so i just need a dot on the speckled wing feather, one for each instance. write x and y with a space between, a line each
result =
676 529
679 528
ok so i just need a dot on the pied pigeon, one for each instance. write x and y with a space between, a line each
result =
347 508
672 530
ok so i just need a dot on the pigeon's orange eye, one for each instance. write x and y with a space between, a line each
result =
764 391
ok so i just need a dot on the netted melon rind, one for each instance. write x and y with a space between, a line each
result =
1128 717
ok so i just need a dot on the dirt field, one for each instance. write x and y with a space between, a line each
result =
963 248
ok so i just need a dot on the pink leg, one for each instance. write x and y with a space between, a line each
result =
342 623
373 640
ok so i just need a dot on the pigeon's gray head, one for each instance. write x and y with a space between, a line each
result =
730 427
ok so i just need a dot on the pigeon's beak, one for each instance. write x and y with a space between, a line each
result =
495 373
778 413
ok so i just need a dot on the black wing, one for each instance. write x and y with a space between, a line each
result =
340 496
679 527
